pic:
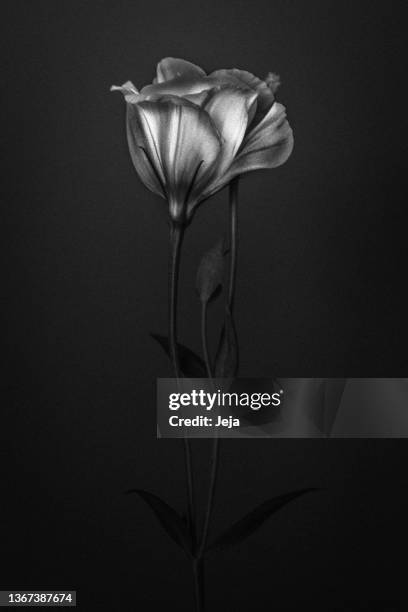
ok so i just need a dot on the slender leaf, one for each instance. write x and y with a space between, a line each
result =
210 272
226 360
253 520
191 364
169 519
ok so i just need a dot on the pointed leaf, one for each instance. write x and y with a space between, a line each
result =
191 364
226 360
252 521
168 518
210 272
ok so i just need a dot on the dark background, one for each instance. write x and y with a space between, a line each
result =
322 274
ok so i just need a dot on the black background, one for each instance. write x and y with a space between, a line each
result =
322 273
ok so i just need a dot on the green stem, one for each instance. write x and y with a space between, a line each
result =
176 239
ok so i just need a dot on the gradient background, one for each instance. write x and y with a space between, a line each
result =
322 277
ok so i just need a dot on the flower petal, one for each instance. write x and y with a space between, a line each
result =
268 145
228 108
184 146
129 91
171 67
179 86
144 160
247 81
273 81
200 98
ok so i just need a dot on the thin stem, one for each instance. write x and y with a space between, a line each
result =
233 229
198 570
211 494
176 239
204 340
215 447
190 487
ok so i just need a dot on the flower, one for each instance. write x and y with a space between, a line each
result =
190 134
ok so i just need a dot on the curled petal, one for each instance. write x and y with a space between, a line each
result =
247 81
268 145
171 67
129 91
228 108
179 86
183 145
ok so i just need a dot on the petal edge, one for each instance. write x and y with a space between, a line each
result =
267 146
172 67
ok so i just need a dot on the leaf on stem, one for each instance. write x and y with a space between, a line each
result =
169 519
191 364
226 360
210 273
253 520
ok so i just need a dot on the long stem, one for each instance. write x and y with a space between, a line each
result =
233 229
204 341
215 447
176 239
211 494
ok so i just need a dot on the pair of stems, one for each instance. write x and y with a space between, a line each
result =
176 239
233 239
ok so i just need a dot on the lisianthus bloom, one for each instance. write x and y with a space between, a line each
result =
190 134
